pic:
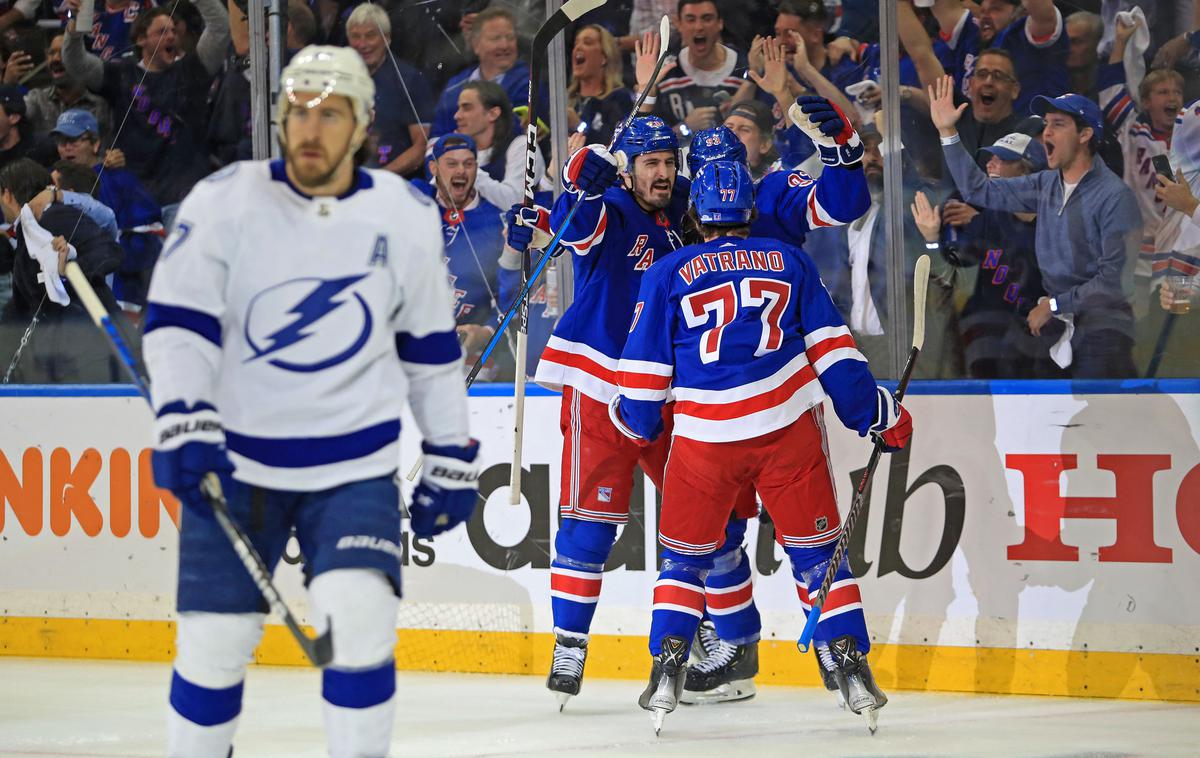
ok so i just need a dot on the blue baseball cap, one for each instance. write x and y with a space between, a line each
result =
1073 105
452 141
1018 146
75 123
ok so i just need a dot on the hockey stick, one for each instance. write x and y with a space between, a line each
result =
1160 345
318 650
920 284
664 36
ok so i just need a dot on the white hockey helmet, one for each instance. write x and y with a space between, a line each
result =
327 70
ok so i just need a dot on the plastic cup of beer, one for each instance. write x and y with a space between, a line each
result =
1183 291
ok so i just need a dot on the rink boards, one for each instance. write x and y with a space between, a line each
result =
1029 543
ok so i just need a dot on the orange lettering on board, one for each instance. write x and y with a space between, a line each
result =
24 496
150 497
70 491
120 492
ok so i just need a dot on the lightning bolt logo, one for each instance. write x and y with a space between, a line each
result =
316 305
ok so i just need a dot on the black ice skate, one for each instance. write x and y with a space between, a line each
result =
566 672
827 676
725 674
666 680
855 681
705 642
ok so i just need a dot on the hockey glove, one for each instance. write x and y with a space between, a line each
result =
527 227
829 129
189 443
448 490
591 170
893 425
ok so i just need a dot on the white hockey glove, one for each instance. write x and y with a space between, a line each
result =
829 129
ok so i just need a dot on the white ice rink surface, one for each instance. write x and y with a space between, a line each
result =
109 709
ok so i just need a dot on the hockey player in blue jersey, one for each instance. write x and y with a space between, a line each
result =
294 309
743 336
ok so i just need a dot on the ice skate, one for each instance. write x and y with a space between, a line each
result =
566 672
726 674
666 680
827 676
855 680
704 643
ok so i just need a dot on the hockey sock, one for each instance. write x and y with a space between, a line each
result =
359 709
201 721
678 598
577 571
729 591
842 612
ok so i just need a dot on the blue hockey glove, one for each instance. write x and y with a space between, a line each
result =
591 170
893 425
829 129
527 227
189 443
448 491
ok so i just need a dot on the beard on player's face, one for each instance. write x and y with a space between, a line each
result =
652 184
314 165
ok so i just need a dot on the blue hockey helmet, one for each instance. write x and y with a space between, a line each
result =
723 194
716 144
645 134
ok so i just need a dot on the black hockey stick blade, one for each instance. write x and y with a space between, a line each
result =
920 287
318 650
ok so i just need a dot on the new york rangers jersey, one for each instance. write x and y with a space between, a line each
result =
744 336
791 203
613 242
307 322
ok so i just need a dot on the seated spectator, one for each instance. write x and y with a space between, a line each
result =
754 125
1086 232
1143 128
474 236
44 104
164 93
999 246
493 37
993 90
596 94
705 75
139 217
64 348
16 137
485 115
1084 30
403 102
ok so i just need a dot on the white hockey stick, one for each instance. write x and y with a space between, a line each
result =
920 285
318 650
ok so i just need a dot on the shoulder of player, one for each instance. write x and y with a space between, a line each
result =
392 188
225 188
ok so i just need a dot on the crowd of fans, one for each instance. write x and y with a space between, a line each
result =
1050 162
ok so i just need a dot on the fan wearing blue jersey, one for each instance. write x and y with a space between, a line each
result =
296 307
743 335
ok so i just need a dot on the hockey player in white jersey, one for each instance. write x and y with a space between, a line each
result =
295 307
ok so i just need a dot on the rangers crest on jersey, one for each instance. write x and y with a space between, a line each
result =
308 324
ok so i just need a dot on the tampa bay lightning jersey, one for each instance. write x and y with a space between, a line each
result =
613 242
744 336
307 322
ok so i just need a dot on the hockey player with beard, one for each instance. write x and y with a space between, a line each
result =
296 307
741 333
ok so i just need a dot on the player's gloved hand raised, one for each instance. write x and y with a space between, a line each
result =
449 488
527 227
893 425
591 170
829 129
189 443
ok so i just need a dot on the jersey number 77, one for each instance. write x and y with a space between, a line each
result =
721 302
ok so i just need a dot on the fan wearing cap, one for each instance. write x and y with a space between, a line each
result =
16 140
138 215
1008 284
474 237
299 305
164 91
1087 231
